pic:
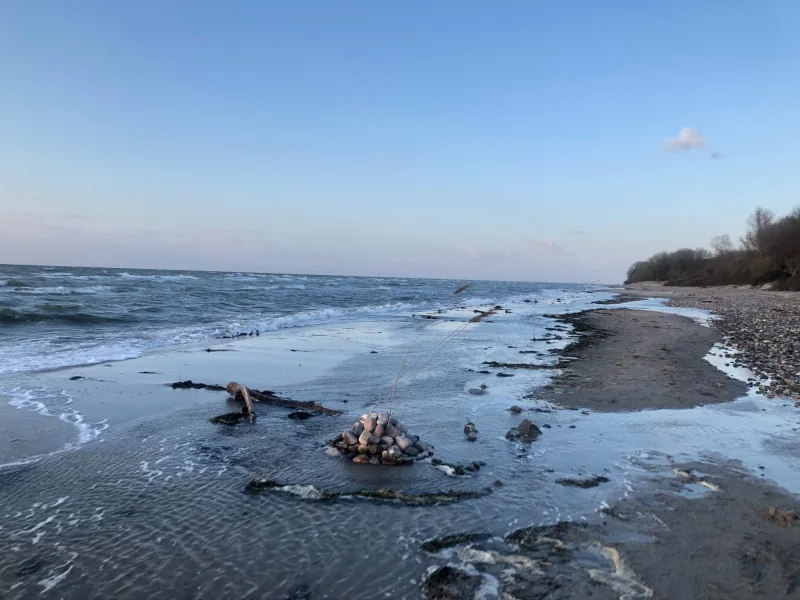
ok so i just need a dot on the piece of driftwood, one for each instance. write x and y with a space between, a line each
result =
238 391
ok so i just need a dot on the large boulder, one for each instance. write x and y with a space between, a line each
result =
349 438
365 437
402 442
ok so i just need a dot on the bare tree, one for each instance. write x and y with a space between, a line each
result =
759 223
721 245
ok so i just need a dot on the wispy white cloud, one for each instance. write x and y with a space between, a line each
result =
688 139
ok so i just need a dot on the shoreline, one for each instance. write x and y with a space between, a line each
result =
763 326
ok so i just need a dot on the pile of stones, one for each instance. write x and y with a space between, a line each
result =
377 439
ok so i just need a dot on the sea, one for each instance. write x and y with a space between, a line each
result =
52 317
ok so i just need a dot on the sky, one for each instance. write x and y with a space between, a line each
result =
535 141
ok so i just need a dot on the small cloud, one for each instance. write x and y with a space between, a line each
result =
716 155
688 139
577 232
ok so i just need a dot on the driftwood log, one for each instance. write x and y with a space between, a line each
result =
249 396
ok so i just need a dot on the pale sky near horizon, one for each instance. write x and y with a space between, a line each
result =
542 141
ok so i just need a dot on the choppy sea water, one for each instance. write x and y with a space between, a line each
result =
55 316
156 507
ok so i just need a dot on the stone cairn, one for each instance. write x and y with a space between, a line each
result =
377 439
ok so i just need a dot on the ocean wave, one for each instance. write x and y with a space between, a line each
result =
9 316
62 290
179 277
15 283
327 316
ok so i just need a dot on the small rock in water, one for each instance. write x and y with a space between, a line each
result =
451 583
524 432
300 414
333 452
515 409
470 431
361 459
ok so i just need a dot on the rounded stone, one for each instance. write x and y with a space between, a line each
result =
369 422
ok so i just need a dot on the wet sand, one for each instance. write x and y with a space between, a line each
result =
738 543
634 360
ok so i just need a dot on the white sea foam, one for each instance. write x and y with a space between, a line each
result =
63 290
50 403
179 277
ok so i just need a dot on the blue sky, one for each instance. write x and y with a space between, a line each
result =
510 140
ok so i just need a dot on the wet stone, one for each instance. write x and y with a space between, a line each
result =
524 432
451 583
401 448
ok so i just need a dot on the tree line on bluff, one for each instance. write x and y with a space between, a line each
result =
769 253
